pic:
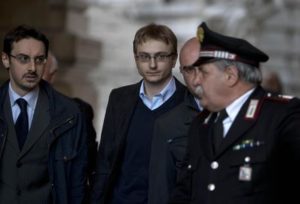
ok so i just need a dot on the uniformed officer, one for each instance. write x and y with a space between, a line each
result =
246 148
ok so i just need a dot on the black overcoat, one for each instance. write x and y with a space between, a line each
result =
121 105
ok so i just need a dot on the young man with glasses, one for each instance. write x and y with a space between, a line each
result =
43 148
123 170
171 130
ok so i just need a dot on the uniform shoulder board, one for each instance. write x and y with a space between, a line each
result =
255 105
278 97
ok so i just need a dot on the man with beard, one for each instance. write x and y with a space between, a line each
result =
43 147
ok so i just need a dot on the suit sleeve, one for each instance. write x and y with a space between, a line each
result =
78 167
182 194
87 109
104 155
183 190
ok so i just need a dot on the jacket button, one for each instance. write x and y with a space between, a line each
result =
211 187
189 166
247 159
65 158
214 165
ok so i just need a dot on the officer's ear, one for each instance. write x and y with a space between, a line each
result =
5 60
232 75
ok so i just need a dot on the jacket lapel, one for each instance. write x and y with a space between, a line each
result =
40 122
205 135
12 139
125 109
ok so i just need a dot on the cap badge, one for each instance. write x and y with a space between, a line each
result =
200 34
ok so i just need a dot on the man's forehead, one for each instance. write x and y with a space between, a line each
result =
152 46
188 58
28 45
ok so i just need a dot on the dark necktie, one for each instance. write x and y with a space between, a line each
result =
218 129
21 125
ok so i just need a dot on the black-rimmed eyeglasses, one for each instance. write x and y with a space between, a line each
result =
158 57
25 59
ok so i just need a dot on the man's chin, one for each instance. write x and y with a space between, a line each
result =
29 85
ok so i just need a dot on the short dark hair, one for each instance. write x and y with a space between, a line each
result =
156 32
22 32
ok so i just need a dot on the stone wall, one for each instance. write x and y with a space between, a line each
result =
77 54
92 39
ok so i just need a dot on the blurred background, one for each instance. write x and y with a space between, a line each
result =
92 39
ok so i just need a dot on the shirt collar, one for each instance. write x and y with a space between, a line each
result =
168 90
234 108
31 97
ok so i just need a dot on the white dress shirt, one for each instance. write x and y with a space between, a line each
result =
159 98
31 99
233 109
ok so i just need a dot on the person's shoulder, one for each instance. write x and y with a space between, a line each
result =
3 89
180 86
279 98
57 98
85 107
82 102
126 90
279 103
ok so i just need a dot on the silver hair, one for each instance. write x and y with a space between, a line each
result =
247 73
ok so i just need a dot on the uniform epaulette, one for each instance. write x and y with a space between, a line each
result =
255 104
278 97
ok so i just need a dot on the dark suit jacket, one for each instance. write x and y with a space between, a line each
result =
120 108
170 141
66 145
15 163
257 162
